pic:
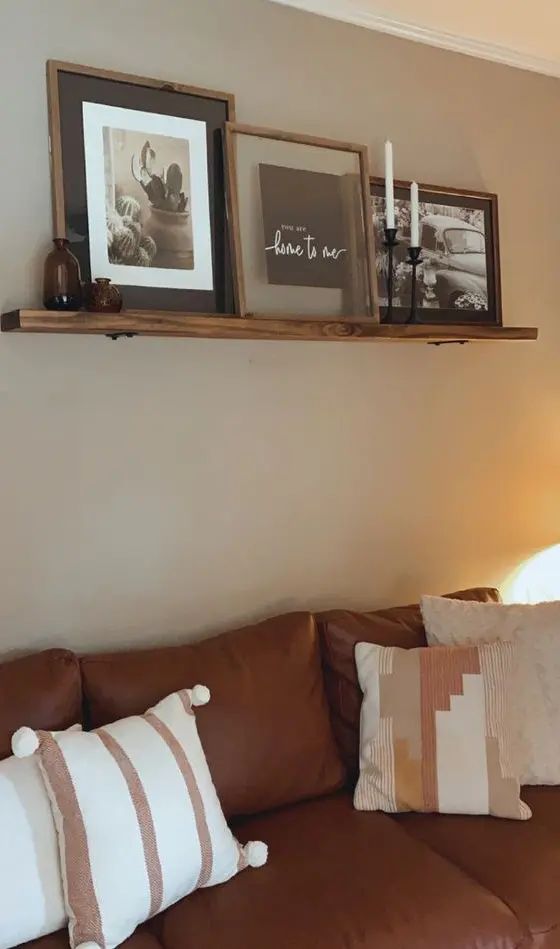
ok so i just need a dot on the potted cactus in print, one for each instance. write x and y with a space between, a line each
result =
148 214
167 225
126 241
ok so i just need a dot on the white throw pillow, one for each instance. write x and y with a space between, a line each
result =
536 630
139 821
31 897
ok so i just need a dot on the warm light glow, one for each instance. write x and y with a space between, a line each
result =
536 580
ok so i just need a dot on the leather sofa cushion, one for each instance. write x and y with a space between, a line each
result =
42 690
340 630
519 863
266 731
545 804
337 879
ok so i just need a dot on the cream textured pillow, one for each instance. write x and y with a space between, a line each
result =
434 731
31 898
139 822
536 631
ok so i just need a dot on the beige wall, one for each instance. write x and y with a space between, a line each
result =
156 489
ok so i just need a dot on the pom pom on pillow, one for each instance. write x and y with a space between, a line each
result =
24 742
199 695
256 853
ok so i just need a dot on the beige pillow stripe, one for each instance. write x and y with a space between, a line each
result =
496 665
85 917
143 815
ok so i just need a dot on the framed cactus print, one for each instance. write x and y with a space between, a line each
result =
139 185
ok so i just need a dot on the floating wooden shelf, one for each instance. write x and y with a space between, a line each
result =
210 326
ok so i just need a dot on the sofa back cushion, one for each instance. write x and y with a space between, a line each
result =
340 630
266 733
42 690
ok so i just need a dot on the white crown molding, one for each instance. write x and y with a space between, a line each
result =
352 12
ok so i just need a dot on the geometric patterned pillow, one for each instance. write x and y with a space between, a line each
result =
434 731
138 819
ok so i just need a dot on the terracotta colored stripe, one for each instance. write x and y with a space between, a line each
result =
143 816
441 676
184 766
82 901
429 762
242 863
186 700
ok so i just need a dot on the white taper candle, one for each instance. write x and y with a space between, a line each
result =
414 216
389 186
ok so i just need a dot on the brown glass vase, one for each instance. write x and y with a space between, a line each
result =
103 297
62 286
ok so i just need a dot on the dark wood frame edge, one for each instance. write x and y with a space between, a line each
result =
231 130
232 204
54 67
489 196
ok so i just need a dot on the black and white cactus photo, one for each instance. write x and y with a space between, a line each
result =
148 195
148 215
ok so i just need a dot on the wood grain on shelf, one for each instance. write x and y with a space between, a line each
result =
210 326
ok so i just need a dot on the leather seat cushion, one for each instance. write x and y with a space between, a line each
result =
266 732
42 690
339 879
518 861
340 630
545 804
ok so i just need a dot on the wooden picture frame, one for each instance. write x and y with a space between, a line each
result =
139 94
446 311
232 131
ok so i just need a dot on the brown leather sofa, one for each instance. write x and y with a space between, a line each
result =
281 738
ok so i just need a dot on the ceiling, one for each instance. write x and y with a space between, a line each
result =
521 34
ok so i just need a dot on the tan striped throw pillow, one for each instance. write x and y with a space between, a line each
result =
435 731
139 822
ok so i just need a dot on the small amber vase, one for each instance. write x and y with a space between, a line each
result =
103 297
62 286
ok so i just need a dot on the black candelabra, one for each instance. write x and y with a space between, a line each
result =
414 259
390 243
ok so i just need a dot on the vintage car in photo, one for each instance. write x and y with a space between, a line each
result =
454 255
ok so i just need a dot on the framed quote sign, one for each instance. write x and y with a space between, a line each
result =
302 234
